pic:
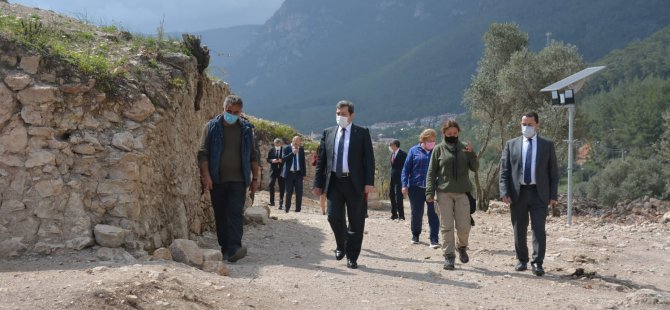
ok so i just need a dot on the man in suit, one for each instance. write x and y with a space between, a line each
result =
529 183
398 157
275 155
293 171
345 171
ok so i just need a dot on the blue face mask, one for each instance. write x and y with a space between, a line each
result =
229 118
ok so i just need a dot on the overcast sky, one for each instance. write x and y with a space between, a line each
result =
180 16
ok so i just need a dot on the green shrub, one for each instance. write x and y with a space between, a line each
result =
627 179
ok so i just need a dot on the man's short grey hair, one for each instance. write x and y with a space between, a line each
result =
346 103
277 140
232 100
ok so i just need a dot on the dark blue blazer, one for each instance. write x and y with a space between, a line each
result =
288 159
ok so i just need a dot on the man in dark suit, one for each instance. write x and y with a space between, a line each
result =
275 155
345 171
398 157
293 172
529 183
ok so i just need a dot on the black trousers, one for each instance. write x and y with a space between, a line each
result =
395 194
529 203
276 178
344 200
228 203
294 183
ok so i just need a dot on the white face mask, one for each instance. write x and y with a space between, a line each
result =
342 121
390 149
528 131
278 148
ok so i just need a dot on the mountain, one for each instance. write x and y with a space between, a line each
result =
227 44
401 59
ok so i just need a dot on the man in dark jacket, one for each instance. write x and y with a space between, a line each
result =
293 172
529 183
345 171
397 160
227 159
275 155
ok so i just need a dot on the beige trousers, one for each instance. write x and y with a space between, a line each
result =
453 208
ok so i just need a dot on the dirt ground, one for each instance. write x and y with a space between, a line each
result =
291 265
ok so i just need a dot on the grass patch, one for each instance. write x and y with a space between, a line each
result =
109 29
92 55
178 83
267 130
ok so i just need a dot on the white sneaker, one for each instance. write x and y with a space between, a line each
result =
434 245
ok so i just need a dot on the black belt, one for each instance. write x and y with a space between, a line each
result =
344 174
531 186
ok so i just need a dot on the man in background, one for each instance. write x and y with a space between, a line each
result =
274 158
398 157
293 172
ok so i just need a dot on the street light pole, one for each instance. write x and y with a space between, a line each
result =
563 94
571 120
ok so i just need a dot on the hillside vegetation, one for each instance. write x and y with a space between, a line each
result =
388 56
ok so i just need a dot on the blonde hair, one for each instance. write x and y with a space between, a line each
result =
427 133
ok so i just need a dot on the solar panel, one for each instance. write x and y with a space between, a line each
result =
573 79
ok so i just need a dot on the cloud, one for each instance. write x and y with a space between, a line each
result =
179 16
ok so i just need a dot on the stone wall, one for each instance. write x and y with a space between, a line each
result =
72 156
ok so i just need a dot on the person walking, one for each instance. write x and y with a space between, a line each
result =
228 165
345 171
293 172
529 183
448 177
413 180
397 161
274 158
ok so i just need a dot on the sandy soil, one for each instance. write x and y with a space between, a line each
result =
291 265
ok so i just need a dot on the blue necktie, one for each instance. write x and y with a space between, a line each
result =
529 160
295 162
340 155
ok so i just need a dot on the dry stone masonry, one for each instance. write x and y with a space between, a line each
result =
79 166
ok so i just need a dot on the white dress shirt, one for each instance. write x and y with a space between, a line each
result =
345 156
534 159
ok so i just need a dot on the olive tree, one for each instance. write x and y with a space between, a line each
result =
507 85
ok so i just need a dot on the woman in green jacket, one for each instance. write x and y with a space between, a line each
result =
449 177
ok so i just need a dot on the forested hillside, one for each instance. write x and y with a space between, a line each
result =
625 122
390 55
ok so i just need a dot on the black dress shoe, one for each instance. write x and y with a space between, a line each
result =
402 218
537 269
521 266
351 264
393 217
339 254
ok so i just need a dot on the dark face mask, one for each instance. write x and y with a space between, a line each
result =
451 140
